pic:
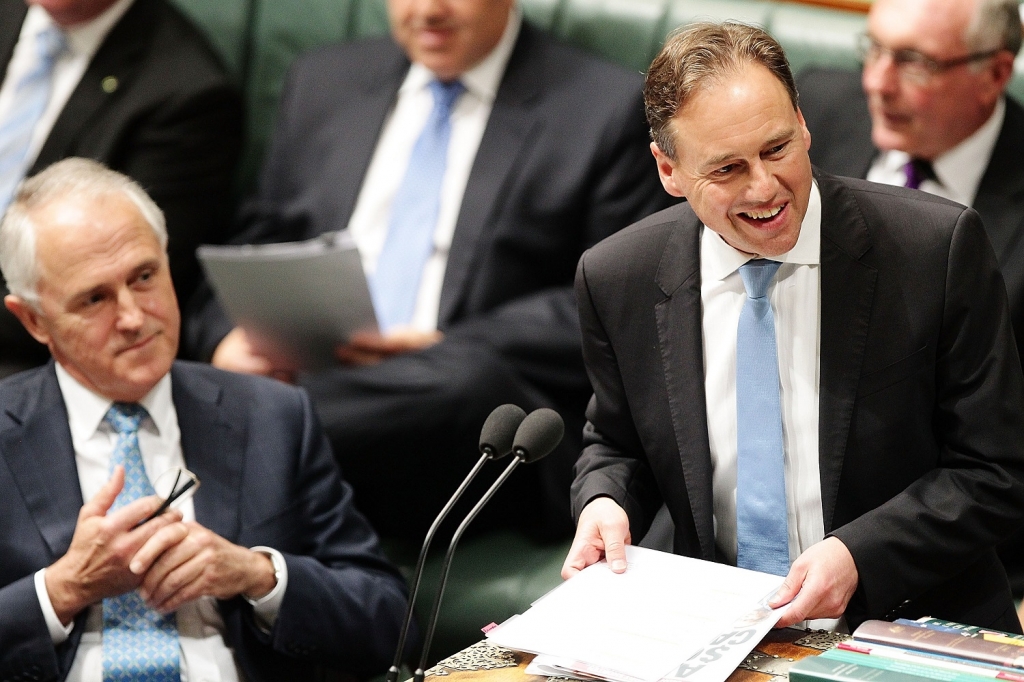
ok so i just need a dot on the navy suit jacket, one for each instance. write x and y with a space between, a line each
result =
267 478
173 123
920 405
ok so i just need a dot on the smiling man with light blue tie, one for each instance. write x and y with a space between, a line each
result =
816 375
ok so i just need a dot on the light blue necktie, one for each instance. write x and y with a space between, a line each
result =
396 281
30 98
138 643
761 522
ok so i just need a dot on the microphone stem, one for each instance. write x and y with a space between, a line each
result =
393 671
432 622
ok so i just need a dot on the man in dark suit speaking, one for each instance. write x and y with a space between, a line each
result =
134 85
472 159
267 572
816 375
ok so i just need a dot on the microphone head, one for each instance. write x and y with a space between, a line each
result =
499 430
538 435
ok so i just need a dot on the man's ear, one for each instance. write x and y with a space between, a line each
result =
666 168
999 73
29 318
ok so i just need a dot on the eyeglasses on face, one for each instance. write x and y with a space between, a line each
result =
911 64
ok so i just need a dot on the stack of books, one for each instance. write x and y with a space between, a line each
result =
925 650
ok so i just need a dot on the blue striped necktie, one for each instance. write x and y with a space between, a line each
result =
762 532
30 99
395 283
139 644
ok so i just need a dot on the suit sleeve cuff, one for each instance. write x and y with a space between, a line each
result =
267 607
58 632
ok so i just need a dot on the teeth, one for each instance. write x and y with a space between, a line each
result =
764 215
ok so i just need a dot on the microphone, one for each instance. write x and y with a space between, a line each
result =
497 440
538 434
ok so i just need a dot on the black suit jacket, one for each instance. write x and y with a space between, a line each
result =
836 111
173 123
551 178
920 415
268 478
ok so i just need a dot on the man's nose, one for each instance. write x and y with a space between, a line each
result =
763 183
129 313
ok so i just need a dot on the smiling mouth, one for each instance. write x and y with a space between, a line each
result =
764 214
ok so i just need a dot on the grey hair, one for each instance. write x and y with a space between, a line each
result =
996 25
70 178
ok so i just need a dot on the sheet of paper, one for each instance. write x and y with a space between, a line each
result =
666 617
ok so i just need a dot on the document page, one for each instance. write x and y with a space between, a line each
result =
667 616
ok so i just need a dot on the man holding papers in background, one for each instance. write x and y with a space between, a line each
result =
816 375
472 159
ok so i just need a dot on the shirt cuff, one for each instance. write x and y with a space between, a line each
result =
58 632
267 607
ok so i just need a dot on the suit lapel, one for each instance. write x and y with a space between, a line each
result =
680 343
847 296
12 16
361 123
119 57
512 119
41 459
213 442
1002 186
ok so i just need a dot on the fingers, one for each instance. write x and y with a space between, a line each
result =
104 498
236 354
354 356
603 530
823 579
158 542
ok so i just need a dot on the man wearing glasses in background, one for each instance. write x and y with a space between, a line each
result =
930 111
266 573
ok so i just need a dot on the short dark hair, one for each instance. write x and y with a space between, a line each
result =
697 54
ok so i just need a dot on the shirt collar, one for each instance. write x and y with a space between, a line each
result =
483 79
961 168
86 408
84 38
719 260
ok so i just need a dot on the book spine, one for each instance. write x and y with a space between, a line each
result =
968 630
989 649
819 669
922 670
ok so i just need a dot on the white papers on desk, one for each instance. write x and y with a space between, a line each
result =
305 297
667 616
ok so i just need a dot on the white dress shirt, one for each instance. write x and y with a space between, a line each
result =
83 41
959 170
369 222
795 296
204 655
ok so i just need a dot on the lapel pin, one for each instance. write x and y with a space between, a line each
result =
109 84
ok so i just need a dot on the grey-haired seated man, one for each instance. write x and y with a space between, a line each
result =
265 574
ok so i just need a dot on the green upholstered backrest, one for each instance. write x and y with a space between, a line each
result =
259 38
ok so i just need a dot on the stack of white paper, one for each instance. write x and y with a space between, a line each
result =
666 617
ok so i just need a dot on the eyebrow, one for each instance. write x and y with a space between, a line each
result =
150 264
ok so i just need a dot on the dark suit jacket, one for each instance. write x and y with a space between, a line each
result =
174 124
551 177
920 418
268 478
836 111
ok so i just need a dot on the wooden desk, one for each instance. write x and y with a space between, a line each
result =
768 662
